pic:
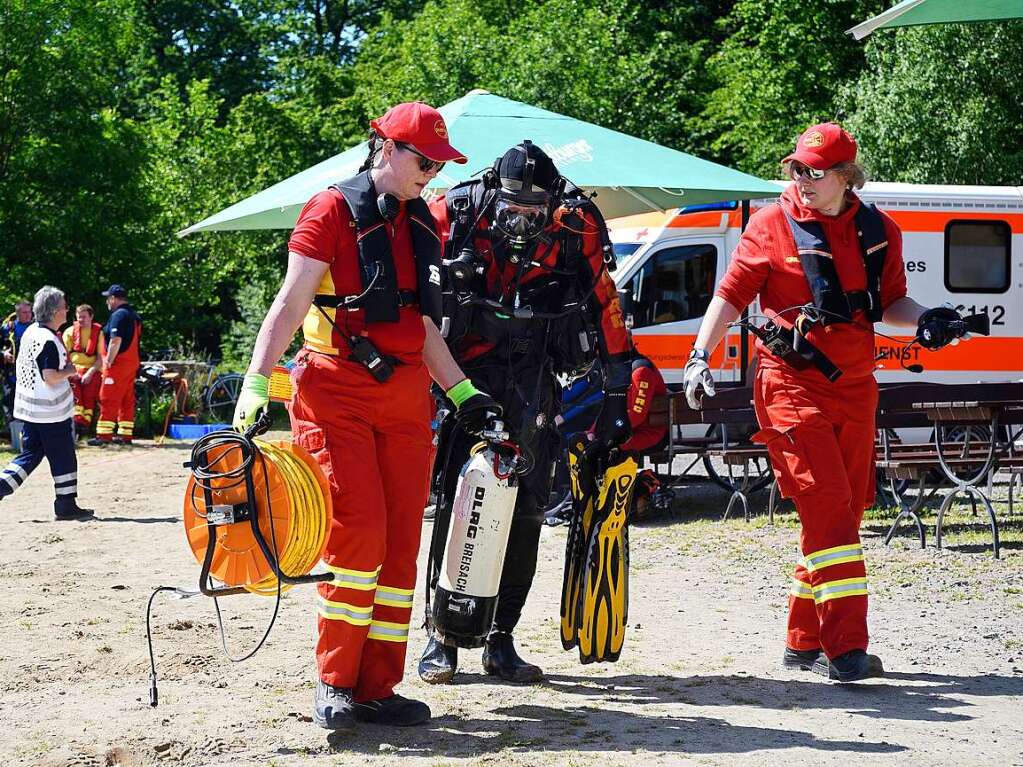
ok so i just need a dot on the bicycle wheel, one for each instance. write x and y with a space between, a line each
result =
759 468
221 396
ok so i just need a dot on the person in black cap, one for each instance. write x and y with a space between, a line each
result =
121 358
528 296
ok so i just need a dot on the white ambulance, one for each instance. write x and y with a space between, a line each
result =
961 244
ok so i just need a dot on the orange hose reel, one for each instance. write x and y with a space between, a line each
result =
292 501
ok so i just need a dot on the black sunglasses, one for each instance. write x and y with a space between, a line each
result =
425 163
796 171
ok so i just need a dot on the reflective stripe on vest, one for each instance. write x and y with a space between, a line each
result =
34 399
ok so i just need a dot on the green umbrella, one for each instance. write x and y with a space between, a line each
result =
910 13
629 175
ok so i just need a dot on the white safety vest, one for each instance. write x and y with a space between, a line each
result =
34 399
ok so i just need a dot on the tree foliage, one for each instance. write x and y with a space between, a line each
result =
942 105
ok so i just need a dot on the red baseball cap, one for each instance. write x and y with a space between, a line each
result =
824 146
421 126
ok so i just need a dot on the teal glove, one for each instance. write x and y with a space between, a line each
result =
253 398
474 410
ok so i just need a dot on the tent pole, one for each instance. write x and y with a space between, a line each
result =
743 332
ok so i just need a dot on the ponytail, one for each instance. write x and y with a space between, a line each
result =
374 147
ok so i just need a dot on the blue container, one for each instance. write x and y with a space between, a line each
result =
194 430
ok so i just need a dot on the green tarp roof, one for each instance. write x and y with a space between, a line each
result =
910 13
630 175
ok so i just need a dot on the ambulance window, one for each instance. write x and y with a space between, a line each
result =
977 256
624 249
675 284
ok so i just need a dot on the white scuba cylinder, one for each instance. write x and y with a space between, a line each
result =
466 597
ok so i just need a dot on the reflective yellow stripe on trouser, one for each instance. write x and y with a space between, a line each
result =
342 611
360 580
390 598
357 580
104 427
846 587
836 555
825 591
800 590
385 631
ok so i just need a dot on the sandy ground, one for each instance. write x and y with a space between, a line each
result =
698 682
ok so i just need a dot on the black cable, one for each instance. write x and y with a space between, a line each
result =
277 560
202 471
810 309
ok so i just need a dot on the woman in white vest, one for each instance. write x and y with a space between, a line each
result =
45 403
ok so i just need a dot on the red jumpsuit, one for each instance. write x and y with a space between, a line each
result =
83 344
373 441
117 392
820 435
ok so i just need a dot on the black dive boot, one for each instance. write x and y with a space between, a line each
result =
802 660
500 659
850 667
438 664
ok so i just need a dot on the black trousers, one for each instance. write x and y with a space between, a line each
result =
56 443
531 398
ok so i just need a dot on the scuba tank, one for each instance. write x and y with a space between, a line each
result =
470 571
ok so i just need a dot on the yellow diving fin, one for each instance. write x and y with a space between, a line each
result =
603 601
584 492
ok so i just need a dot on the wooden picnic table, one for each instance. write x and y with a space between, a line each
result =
995 406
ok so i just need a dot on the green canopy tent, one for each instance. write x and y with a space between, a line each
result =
628 174
910 13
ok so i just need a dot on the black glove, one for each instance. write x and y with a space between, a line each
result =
936 327
612 427
478 413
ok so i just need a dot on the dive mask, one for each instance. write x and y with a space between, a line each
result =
521 220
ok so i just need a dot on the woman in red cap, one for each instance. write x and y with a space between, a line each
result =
826 267
363 280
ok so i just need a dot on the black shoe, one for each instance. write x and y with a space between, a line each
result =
332 706
500 659
96 442
801 660
72 512
395 711
438 663
849 667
